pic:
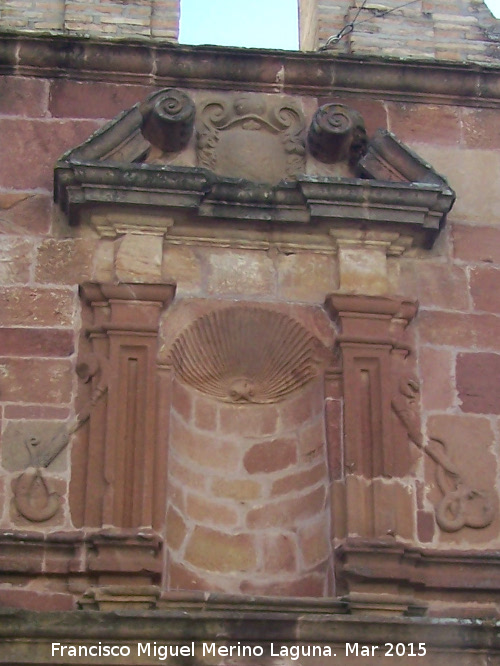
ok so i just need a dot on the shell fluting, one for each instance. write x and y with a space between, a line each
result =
245 354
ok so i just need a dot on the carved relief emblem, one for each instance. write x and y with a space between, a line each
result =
461 506
251 136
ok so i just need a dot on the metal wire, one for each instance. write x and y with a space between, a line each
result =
349 27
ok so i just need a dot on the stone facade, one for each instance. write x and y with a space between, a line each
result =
248 348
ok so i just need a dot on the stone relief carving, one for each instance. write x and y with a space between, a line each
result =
33 497
461 506
230 132
247 355
337 134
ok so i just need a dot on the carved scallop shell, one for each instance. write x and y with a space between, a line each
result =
246 354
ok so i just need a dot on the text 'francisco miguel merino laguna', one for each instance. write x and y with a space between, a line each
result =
162 651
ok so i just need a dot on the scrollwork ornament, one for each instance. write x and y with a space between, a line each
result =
461 506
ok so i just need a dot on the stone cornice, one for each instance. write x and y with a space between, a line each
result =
161 64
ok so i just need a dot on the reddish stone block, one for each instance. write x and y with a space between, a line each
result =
42 412
65 261
36 145
38 601
436 370
25 306
84 99
484 283
425 526
286 513
459 330
240 489
36 380
476 243
36 342
248 420
22 212
299 480
312 442
480 128
442 285
217 551
185 475
425 122
182 578
15 260
202 510
314 543
308 586
205 414
271 456
202 449
21 96
333 425
279 553
478 382
182 400
176 528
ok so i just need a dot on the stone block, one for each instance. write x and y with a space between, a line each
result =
25 97
28 306
182 265
306 277
480 128
436 370
205 414
442 286
65 261
182 400
211 513
176 528
12 597
205 451
247 272
16 255
477 244
248 420
478 382
240 490
279 552
287 513
42 412
484 284
363 270
185 475
459 330
36 342
299 480
312 442
182 578
24 213
212 550
37 145
138 258
314 543
270 456
85 99
425 123
36 380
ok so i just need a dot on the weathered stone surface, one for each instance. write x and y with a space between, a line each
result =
38 144
138 258
36 342
306 277
184 267
279 553
24 213
33 443
363 270
240 272
16 255
211 513
217 551
460 330
82 99
36 380
23 96
436 369
484 289
270 456
411 122
478 382
176 528
206 451
29 306
476 243
314 543
299 480
65 261
240 490
286 513
248 420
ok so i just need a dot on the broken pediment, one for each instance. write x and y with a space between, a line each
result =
253 158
